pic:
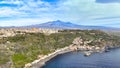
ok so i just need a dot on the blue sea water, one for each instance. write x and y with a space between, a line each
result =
78 60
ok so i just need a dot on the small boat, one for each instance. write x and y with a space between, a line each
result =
87 53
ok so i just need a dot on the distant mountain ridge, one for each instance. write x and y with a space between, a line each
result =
68 25
65 25
56 24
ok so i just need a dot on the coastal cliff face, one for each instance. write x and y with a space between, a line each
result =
22 50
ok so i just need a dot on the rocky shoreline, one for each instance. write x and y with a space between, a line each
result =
41 62
77 45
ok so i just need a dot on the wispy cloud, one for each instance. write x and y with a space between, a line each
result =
108 1
105 18
23 21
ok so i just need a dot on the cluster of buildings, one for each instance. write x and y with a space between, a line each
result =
6 32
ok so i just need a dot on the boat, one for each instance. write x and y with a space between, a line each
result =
87 53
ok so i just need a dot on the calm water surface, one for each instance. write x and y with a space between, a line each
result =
78 60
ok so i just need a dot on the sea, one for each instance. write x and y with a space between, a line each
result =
77 59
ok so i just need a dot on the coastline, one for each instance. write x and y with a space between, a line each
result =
77 45
41 62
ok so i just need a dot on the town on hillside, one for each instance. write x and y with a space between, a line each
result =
6 32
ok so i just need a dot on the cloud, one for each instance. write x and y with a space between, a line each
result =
108 1
23 22
23 8
7 5
104 18
90 12
8 12
86 10
50 1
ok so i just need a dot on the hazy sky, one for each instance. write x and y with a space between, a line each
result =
84 12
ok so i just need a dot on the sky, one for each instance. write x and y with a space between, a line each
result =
83 12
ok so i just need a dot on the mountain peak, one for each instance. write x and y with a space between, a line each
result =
58 21
58 24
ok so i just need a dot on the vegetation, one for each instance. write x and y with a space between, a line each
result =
25 48
116 33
